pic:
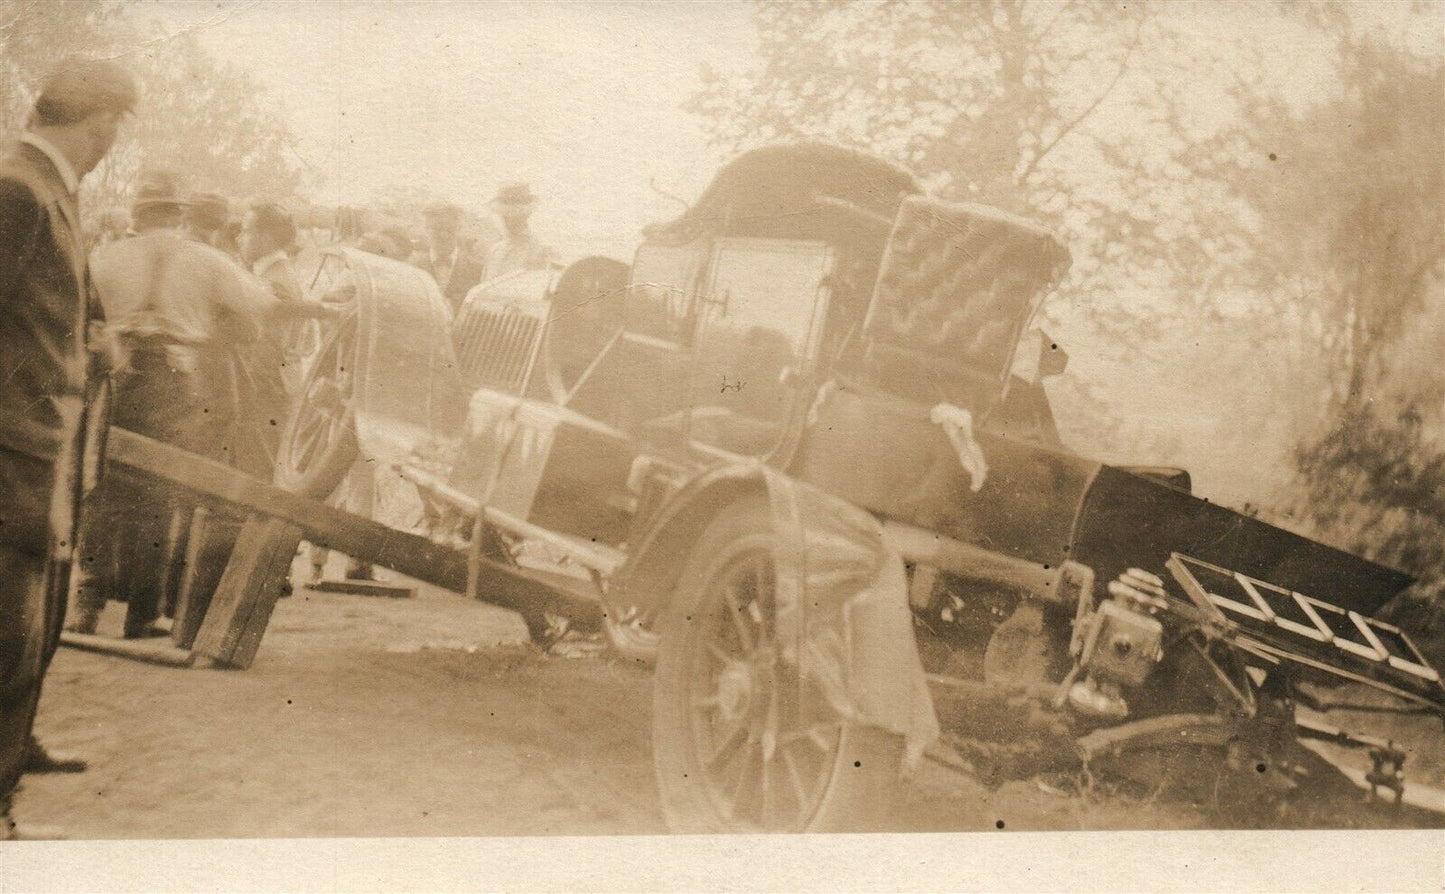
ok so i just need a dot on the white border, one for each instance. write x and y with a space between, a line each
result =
980 861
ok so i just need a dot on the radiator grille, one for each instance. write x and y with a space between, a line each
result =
497 344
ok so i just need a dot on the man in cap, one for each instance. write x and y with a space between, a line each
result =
45 363
518 248
447 257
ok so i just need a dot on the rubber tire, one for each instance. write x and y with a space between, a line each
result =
865 775
321 479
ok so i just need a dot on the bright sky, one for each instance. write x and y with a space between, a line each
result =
580 99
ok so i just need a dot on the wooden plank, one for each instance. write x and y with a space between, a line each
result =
154 651
323 525
364 588
326 526
241 607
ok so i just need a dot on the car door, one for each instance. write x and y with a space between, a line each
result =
760 313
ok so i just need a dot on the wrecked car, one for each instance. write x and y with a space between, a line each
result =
798 453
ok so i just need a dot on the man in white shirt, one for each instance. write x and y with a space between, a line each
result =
181 315
173 306
518 248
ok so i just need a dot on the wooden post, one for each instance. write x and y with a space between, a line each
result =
241 607
187 619
173 563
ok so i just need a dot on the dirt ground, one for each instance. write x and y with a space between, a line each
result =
432 717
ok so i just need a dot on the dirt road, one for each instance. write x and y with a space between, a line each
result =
376 717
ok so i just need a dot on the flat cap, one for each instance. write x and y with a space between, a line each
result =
80 87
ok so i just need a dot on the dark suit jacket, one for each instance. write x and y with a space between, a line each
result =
43 315
466 273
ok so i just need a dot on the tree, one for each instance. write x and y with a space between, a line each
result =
1356 200
969 95
204 119
1354 203
1082 115
998 102
207 120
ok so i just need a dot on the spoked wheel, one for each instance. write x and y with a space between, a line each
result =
741 743
319 446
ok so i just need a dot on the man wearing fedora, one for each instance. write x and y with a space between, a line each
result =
180 314
518 249
447 257
173 307
45 373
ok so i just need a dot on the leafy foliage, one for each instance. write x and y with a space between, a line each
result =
1015 104
205 119
1356 200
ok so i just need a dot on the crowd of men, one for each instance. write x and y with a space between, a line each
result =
194 322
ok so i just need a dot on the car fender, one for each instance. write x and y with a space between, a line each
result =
650 571
407 389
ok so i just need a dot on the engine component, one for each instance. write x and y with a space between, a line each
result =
1117 645
1387 771
1018 652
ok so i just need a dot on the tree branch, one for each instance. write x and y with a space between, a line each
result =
1041 33
1068 127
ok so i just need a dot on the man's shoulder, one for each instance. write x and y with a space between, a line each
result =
196 255
16 193
498 251
20 179
283 267
25 170
207 256
119 250
472 256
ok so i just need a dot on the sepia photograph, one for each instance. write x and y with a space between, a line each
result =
687 422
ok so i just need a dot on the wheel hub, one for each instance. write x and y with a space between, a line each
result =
735 691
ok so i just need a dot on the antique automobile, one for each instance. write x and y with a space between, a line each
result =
800 455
